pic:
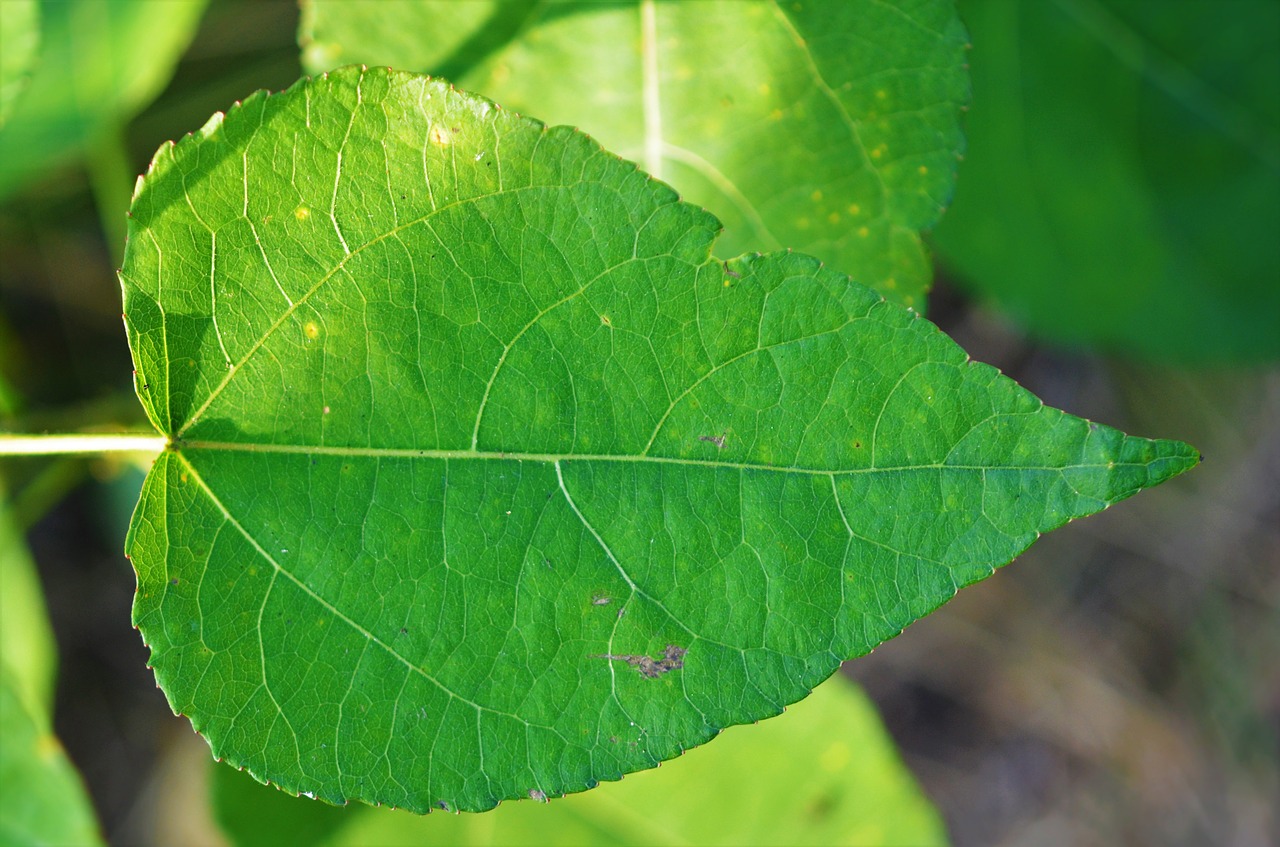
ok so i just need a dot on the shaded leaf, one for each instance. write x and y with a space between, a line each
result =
824 773
1123 183
99 62
487 479
830 126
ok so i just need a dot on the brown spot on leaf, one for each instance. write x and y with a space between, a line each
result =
672 659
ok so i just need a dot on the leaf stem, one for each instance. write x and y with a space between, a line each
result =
105 442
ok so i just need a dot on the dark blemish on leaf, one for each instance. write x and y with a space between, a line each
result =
442 805
731 273
404 631
672 659
857 445
717 440
173 581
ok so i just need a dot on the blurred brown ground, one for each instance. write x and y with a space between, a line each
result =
1118 684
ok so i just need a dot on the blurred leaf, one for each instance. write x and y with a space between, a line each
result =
1122 187
41 798
99 63
824 773
830 126
19 41
487 479
28 653
328 34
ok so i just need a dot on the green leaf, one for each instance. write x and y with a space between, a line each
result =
829 126
41 799
486 479
19 42
824 773
1123 183
99 63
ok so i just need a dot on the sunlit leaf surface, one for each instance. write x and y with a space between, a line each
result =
488 481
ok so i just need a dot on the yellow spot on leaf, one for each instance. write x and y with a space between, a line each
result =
764 89
604 319
855 209
439 136
311 330
922 170
815 196
776 115
302 213
890 283
863 232
833 217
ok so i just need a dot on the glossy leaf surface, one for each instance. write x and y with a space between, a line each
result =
1122 187
487 479
828 126
825 772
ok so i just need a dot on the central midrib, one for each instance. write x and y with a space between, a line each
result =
551 458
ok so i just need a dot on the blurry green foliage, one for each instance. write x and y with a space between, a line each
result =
1122 186
824 773
41 799
99 63
19 40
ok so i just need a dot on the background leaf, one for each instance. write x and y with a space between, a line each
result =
1123 185
28 654
19 41
824 773
477 451
830 126
92 71
41 800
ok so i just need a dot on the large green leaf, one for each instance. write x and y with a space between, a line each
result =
830 126
826 772
99 63
19 41
1123 183
487 480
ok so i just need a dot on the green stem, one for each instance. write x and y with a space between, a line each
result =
56 445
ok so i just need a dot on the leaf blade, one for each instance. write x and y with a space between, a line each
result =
435 535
